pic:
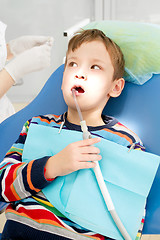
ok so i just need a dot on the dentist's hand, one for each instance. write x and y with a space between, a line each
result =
24 43
77 155
31 60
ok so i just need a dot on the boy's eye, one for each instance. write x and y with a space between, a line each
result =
73 64
96 67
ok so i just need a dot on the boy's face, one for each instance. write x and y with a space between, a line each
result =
90 72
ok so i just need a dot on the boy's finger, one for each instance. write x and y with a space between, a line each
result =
91 158
88 142
90 150
87 165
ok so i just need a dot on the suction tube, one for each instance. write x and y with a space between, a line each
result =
100 180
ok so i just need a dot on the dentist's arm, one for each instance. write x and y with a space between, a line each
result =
9 53
6 82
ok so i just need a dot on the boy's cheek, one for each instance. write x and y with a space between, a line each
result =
64 80
95 74
62 85
65 87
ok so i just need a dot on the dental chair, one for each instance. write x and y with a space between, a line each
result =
137 107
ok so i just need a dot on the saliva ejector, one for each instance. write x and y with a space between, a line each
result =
99 177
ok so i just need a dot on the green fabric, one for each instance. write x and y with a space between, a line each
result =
140 44
52 209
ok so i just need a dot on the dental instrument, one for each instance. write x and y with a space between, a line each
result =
99 177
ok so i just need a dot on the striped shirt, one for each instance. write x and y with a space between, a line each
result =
21 183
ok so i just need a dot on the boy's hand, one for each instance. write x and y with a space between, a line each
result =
75 156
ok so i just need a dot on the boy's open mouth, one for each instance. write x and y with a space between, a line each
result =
79 89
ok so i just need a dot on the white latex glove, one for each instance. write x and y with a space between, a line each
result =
31 60
24 43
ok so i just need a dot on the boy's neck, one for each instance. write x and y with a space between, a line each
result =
92 119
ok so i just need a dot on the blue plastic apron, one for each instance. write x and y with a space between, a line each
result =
128 176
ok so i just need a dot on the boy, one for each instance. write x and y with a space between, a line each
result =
94 68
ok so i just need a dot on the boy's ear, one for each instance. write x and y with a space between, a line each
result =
117 87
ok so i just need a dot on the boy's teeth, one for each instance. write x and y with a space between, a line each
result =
79 89
76 90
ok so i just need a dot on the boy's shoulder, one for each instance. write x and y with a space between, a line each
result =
121 134
132 136
123 128
49 119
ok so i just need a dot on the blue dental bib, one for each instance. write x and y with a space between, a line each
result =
128 176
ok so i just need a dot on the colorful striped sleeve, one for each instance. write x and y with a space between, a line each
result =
19 180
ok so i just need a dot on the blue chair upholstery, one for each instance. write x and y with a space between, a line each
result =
137 107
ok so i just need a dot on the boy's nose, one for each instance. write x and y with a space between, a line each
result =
81 77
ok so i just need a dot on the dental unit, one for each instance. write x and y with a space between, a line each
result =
99 177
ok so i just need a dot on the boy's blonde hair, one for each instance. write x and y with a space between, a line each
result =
113 49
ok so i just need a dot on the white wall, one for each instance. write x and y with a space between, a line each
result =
137 10
42 17
128 10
